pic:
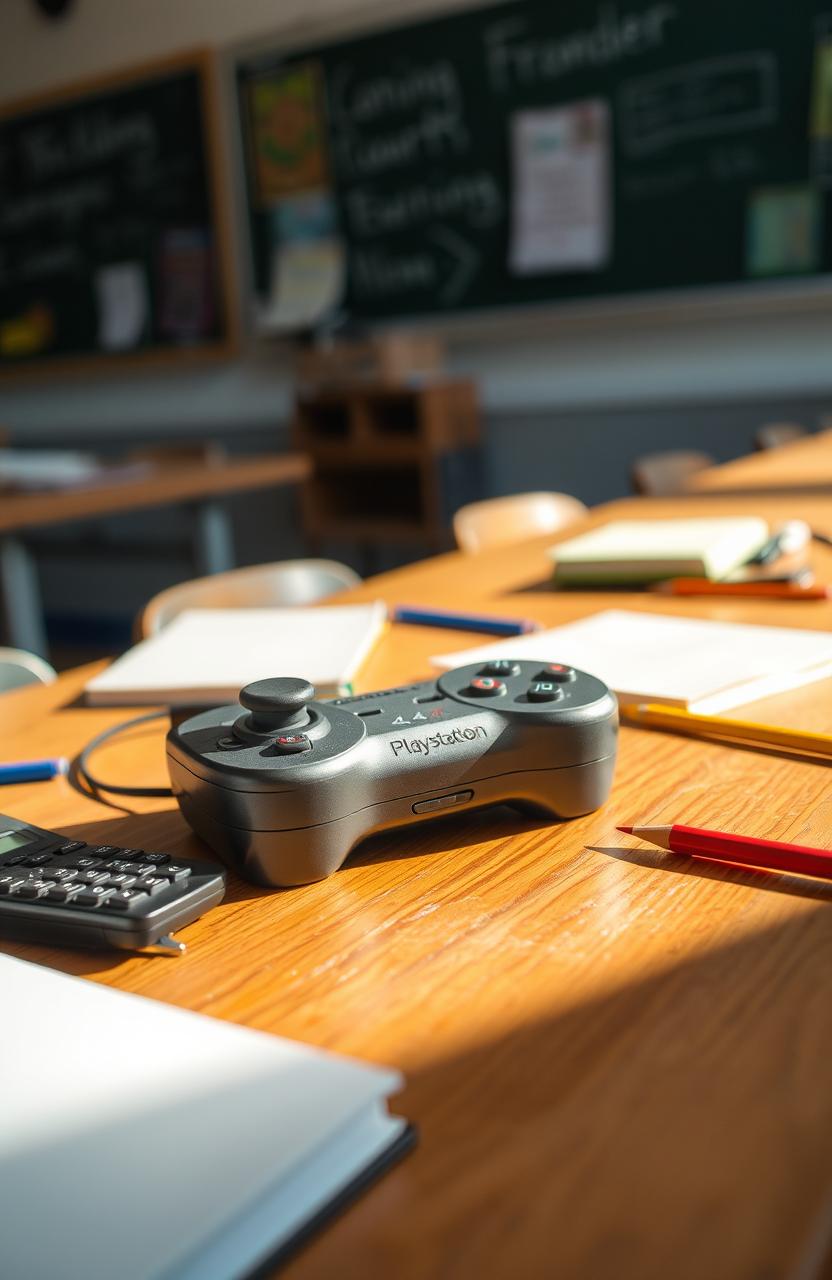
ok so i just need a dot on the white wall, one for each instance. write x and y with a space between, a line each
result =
713 350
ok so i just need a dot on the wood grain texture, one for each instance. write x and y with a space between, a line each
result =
618 1059
162 486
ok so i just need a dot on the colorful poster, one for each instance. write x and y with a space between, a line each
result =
561 206
783 235
287 131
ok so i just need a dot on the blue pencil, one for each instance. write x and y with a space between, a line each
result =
32 770
464 621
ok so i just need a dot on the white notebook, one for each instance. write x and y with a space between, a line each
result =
647 550
705 667
205 656
141 1141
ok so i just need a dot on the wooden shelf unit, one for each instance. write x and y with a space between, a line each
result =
390 464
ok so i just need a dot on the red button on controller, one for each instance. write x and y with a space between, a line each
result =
485 687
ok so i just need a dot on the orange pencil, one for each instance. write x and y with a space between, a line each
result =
768 590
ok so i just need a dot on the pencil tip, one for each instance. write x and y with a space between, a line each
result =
628 831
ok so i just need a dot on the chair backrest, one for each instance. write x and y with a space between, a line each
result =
286 582
19 667
498 521
772 434
665 473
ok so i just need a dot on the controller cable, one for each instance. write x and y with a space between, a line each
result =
82 764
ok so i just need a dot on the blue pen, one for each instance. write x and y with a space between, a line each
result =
32 770
464 621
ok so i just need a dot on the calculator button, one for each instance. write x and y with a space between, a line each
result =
173 872
116 864
85 864
123 899
36 860
32 888
61 892
72 846
104 850
132 868
15 861
151 884
62 873
8 883
156 858
90 877
130 853
121 881
92 896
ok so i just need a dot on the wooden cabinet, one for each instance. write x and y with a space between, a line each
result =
391 464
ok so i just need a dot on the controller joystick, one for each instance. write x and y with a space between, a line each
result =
274 706
299 783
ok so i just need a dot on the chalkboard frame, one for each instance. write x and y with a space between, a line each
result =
204 62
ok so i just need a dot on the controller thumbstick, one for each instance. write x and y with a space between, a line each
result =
275 705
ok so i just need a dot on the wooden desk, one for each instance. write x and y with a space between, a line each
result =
202 484
804 465
619 1061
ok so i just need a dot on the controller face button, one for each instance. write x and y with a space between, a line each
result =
485 687
500 667
291 744
544 691
442 802
557 671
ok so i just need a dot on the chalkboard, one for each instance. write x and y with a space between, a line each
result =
537 151
112 231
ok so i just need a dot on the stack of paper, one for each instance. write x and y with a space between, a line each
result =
205 656
649 550
220 1144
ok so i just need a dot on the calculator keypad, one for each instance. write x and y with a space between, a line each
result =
71 873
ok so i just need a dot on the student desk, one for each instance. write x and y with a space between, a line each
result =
201 484
619 1060
803 466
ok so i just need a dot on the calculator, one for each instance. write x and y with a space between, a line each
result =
54 889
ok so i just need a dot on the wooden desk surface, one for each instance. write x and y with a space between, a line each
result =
804 465
619 1061
171 483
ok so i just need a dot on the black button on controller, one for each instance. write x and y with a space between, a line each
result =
500 667
557 672
485 687
544 691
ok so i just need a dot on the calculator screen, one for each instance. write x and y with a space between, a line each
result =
13 840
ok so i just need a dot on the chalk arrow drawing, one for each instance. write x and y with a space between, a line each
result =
464 262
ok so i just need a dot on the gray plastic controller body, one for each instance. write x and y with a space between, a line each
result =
284 806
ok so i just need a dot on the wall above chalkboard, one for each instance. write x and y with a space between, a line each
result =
113 225
534 152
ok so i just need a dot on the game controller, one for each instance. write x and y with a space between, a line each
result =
283 787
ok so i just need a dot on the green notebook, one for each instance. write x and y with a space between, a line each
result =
636 551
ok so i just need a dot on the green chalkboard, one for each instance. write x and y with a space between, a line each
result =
111 230
532 152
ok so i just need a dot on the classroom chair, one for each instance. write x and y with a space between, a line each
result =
285 582
772 434
497 521
19 667
662 474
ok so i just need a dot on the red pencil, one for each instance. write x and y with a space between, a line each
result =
744 851
771 590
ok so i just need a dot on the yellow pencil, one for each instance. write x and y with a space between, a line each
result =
654 715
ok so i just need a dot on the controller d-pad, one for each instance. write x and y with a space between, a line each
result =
500 667
544 691
485 687
558 672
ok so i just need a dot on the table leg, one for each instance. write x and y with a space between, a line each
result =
214 539
21 597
